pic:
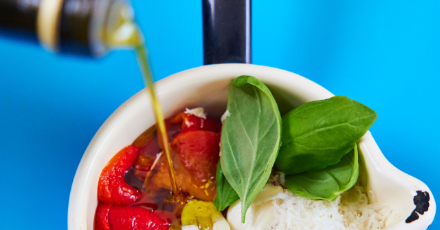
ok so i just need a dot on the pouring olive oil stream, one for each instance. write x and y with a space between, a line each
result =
128 34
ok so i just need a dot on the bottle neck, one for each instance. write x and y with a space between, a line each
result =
80 25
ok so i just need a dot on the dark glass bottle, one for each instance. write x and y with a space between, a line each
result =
87 27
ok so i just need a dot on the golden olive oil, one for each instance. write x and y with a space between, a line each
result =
126 33
162 132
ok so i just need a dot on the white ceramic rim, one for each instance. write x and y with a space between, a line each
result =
81 197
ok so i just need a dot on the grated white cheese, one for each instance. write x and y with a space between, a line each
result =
225 115
198 112
359 214
286 211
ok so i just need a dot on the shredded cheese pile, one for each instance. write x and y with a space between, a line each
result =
350 211
278 209
358 214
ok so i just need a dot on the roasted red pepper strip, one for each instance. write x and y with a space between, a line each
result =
191 122
200 188
199 152
149 147
112 188
101 217
135 218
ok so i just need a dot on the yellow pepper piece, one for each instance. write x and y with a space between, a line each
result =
202 215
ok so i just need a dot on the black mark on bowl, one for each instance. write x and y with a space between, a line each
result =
421 200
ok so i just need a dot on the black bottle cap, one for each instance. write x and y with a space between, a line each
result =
18 19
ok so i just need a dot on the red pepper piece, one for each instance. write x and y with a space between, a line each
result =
144 162
192 122
135 218
101 216
112 188
199 152
165 215
149 147
201 188
143 165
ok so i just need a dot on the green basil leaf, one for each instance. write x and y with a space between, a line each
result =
317 134
250 138
326 183
226 195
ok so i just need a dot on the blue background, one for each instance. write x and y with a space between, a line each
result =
385 54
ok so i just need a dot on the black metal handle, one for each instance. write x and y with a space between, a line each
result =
226 31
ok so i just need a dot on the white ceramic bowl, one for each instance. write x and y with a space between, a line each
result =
207 86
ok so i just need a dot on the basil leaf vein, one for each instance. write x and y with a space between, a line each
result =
319 133
251 138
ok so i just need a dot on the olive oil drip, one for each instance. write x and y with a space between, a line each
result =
124 32
161 128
